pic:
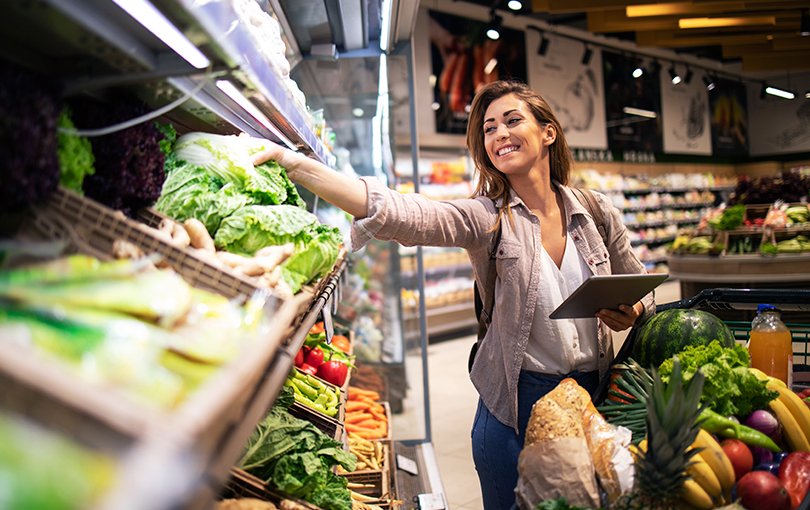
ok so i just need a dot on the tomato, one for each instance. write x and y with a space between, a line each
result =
317 329
742 460
341 342
308 369
299 357
334 372
314 358
794 473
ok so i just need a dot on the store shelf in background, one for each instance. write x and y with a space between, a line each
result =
659 189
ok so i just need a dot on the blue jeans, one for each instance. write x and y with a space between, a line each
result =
496 447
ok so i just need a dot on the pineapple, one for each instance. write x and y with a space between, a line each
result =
672 412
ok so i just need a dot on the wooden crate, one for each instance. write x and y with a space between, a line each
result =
379 480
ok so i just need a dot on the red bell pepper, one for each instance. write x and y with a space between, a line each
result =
299 357
794 473
314 357
308 369
333 372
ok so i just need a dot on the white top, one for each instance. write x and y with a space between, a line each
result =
560 346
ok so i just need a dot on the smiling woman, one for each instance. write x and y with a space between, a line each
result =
546 244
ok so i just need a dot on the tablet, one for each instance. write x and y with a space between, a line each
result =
606 292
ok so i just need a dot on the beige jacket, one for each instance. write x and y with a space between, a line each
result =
415 220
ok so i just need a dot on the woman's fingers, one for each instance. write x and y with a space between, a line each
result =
618 320
274 153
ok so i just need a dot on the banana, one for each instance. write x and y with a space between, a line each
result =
693 493
717 460
790 427
705 477
796 407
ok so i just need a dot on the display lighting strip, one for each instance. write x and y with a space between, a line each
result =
725 22
385 34
228 88
153 20
629 110
779 92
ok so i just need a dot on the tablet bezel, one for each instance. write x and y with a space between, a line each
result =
607 292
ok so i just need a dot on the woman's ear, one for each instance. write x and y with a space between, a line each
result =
549 134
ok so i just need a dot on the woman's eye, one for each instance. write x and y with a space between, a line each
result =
514 120
489 129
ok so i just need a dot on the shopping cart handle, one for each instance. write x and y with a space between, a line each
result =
744 299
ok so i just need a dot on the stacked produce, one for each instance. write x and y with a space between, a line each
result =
126 324
365 417
327 361
787 186
297 458
42 469
313 393
246 208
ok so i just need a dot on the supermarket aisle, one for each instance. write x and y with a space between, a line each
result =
453 400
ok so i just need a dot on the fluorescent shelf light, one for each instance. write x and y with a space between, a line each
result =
629 110
725 22
386 24
232 92
780 93
153 20
490 65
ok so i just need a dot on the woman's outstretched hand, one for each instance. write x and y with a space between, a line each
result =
625 317
348 193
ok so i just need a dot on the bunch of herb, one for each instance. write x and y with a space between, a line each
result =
296 457
735 390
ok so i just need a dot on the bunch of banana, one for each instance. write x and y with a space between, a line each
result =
791 411
712 475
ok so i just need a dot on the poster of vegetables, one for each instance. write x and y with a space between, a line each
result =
623 92
463 59
729 110
572 89
785 122
685 111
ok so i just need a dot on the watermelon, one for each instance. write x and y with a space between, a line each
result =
667 333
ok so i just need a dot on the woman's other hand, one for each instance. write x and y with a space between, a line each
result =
625 317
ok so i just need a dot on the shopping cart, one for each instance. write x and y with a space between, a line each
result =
797 300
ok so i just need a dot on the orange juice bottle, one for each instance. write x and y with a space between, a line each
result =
771 345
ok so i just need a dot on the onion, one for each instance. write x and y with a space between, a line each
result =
761 455
762 421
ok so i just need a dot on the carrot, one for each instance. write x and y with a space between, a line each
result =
358 417
370 423
368 434
355 393
353 427
379 415
446 77
356 405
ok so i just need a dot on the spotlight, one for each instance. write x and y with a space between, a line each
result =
515 5
807 94
805 26
586 57
494 28
708 82
637 72
543 48
688 76
676 79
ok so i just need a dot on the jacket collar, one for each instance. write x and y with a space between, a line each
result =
572 204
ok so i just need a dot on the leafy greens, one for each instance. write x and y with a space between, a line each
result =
735 390
297 458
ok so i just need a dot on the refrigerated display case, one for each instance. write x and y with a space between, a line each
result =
216 77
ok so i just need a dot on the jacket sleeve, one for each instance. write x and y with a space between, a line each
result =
623 259
415 220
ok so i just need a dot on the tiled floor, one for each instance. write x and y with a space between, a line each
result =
453 400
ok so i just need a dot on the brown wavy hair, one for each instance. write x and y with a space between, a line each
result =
492 182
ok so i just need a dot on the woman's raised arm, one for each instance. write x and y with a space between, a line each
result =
342 191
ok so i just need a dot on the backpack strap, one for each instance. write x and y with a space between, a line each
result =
588 201
485 315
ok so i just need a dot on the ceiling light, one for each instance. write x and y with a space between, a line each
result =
586 57
708 82
807 94
515 5
153 20
637 72
629 110
725 22
676 79
358 112
385 31
494 27
543 48
490 65
780 93
804 30
688 76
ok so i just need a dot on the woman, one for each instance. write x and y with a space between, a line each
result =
549 245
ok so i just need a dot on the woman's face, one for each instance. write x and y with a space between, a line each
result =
515 142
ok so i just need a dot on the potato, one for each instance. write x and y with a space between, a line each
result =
180 235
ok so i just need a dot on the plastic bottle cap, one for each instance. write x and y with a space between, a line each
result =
760 308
